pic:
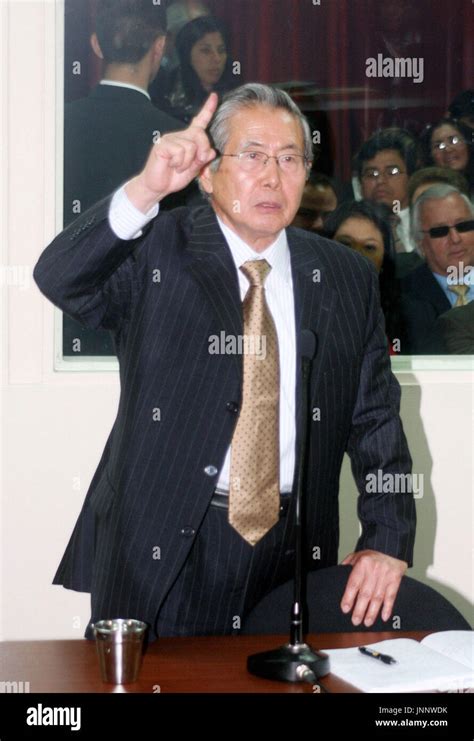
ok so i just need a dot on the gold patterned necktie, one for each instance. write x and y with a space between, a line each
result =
461 292
254 496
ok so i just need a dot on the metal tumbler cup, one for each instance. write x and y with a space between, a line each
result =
119 645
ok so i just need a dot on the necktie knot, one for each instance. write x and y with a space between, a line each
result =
460 290
256 271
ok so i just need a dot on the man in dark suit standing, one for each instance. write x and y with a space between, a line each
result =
188 521
109 134
443 223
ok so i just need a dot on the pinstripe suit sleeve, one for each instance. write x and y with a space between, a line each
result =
377 443
89 273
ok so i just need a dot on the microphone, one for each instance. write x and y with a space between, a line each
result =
296 661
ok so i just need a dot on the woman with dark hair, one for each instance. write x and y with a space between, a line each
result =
365 227
447 143
204 67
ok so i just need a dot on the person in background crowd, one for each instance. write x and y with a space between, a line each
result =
318 202
177 15
420 181
462 108
423 179
205 67
109 134
365 227
383 166
443 227
448 144
457 329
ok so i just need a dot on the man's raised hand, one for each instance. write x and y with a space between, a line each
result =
175 160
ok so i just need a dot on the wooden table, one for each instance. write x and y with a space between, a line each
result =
170 665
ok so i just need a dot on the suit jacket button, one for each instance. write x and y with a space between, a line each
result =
188 532
232 406
210 470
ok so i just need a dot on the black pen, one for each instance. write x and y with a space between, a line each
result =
377 655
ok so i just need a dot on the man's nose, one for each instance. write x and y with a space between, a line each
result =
271 171
454 235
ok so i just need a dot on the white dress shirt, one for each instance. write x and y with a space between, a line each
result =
129 86
404 230
127 222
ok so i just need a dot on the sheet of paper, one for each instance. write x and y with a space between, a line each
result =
418 668
457 644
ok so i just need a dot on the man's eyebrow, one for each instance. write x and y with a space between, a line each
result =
252 143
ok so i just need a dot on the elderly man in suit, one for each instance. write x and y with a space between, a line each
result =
443 225
188 521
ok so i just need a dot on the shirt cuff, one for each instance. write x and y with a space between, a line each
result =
125 220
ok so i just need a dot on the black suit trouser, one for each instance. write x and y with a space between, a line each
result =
224 577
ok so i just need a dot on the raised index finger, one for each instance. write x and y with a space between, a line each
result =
203 118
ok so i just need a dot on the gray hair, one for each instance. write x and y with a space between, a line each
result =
434 192
248 96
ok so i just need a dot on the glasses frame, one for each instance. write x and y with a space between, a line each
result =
384 172
441 146
449 227
239 155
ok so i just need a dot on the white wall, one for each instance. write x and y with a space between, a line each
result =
54 425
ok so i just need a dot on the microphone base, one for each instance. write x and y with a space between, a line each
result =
289 663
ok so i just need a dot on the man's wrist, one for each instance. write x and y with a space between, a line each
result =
140 196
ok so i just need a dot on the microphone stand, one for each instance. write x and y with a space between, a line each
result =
295 661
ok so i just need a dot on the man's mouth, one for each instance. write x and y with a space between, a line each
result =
269 206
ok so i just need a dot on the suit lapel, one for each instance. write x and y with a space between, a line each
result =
314 299
433 291
212 266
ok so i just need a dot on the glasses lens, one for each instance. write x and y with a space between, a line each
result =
290 163
465 226
251 161
436 232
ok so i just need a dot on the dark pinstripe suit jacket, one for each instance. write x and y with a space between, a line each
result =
158 470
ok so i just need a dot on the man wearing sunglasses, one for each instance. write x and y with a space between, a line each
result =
443 227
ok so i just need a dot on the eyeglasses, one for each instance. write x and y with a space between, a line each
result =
436 232
254 162
392 171
453 140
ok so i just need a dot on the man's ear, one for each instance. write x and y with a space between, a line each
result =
206 178
96 46
159 48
